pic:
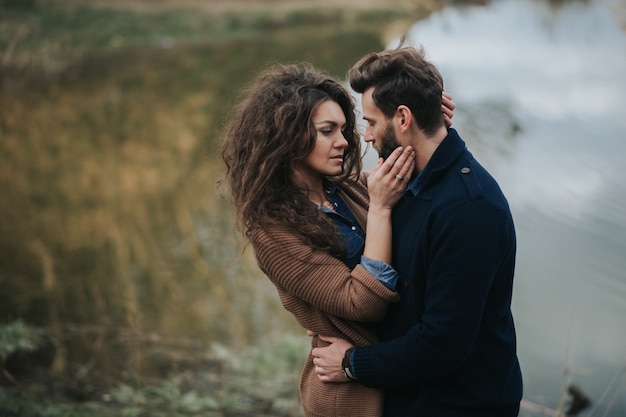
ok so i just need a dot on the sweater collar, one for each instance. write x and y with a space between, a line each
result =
444 156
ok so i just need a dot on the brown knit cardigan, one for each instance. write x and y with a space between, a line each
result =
325 296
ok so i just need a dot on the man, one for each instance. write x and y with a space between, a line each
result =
448 348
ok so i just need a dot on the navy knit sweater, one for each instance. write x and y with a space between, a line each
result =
448 347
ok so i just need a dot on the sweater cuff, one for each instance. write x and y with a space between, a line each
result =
362 368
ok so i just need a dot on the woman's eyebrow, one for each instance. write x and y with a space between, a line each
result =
331 122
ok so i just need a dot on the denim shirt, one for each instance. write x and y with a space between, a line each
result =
354 238
414 184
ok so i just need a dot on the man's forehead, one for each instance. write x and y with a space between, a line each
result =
367 94
370 110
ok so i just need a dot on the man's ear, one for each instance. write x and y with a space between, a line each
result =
405 117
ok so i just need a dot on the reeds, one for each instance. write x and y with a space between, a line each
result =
111 220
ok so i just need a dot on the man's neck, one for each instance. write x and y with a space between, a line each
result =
425 147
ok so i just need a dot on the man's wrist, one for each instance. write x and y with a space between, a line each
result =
346 364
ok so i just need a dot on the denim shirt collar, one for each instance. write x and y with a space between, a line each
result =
414 184
329 187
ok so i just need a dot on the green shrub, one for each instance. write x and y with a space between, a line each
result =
18 337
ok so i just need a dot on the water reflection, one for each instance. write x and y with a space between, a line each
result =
538 89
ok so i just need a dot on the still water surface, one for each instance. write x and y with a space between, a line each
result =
539 91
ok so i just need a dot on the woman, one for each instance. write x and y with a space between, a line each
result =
292 153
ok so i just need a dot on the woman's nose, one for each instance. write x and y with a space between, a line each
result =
341 142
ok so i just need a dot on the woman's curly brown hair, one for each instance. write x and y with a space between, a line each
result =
270 132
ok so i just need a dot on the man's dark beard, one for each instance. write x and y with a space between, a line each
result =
388 143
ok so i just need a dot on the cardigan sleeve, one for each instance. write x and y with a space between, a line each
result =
319 279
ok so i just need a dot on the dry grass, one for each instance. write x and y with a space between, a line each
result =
111 218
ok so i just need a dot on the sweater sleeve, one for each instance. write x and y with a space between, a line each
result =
319 279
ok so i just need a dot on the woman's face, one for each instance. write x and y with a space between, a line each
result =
326 158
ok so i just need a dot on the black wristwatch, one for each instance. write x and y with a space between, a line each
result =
345 364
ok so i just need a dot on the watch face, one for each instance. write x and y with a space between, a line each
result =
345 364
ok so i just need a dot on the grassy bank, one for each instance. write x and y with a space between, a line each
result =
220 382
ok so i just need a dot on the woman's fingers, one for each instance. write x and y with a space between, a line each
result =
406 170
387 183
399 165
447 108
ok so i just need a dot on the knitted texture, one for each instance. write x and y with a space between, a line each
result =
325 296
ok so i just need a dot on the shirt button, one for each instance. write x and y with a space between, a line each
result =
466 170
353 227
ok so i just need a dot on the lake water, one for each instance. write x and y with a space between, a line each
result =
540 91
